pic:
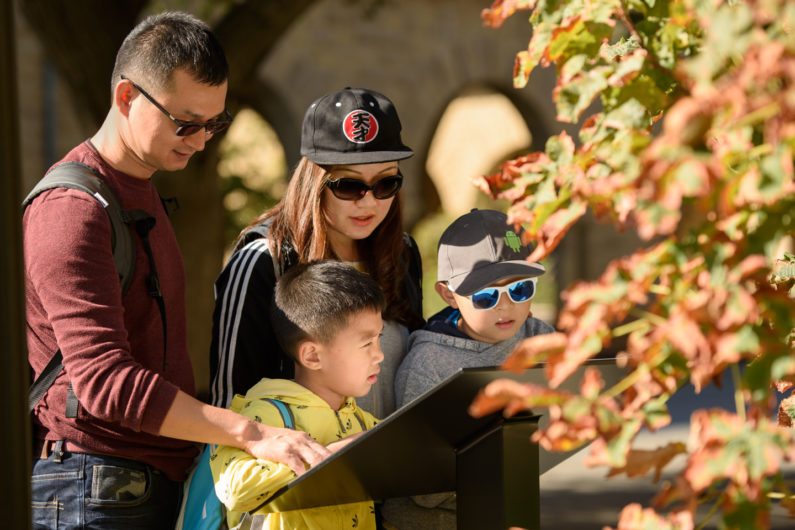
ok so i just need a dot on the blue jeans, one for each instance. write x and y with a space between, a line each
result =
99 491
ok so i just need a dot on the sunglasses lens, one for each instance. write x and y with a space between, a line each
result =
485 298
217 126
188 130
348 189
387 187
212 127
355 189
522 291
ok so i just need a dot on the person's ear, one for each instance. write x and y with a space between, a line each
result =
123 96
308 354
446 294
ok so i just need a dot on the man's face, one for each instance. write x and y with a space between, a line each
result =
150 136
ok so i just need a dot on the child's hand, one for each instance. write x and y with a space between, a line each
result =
339 444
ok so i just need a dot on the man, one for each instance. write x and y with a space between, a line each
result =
122 454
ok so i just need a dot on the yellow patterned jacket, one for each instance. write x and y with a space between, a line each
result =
243 482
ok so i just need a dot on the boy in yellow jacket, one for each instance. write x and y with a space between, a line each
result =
327 316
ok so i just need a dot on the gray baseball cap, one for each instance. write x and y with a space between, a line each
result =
480 248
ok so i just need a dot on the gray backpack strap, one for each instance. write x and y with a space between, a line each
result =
79 176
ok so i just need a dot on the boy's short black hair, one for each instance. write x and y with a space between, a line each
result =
162 43
315 300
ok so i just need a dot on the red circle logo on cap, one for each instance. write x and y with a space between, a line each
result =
360 126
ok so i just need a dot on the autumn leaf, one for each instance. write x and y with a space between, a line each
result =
533 350
752 455
711 189
786 411
513 397
500 10
640 462
552 232
635 517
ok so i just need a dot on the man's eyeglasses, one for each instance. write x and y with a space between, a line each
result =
518 291
188 128
350 189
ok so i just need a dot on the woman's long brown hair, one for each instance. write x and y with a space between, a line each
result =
298 220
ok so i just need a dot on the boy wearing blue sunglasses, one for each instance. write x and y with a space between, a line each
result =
484 277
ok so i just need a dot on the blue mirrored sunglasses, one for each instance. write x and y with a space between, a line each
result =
518 291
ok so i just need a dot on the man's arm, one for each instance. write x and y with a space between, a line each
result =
190 419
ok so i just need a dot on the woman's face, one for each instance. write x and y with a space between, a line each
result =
349 221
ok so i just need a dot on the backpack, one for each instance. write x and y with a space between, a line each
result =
79 176
200 508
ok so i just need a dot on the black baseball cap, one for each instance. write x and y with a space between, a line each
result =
352 126
480 248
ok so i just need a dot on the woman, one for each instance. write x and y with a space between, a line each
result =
342 203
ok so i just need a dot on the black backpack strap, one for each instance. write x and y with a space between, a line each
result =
79 176
143 224
45 380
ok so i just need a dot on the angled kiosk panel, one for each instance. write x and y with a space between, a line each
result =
433 445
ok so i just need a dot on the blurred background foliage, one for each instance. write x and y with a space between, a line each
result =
253 171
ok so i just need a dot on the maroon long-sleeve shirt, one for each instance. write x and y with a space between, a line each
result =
112 346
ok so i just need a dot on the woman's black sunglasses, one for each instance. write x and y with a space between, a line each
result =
350 189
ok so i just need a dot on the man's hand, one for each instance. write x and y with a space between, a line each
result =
339 444
190 419
295 449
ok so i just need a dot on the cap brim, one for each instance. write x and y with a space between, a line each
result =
365 157
477 279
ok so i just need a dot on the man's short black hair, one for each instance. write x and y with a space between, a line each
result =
315 301
162 43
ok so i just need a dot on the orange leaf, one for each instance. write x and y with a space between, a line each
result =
592 383
531 351
641 461
555 227
500 10
514 397
634 516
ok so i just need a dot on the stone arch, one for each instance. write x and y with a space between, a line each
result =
477 129
420 54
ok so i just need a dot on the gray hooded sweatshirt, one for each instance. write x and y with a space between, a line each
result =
433 356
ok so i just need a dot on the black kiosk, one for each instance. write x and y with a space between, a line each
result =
433 445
